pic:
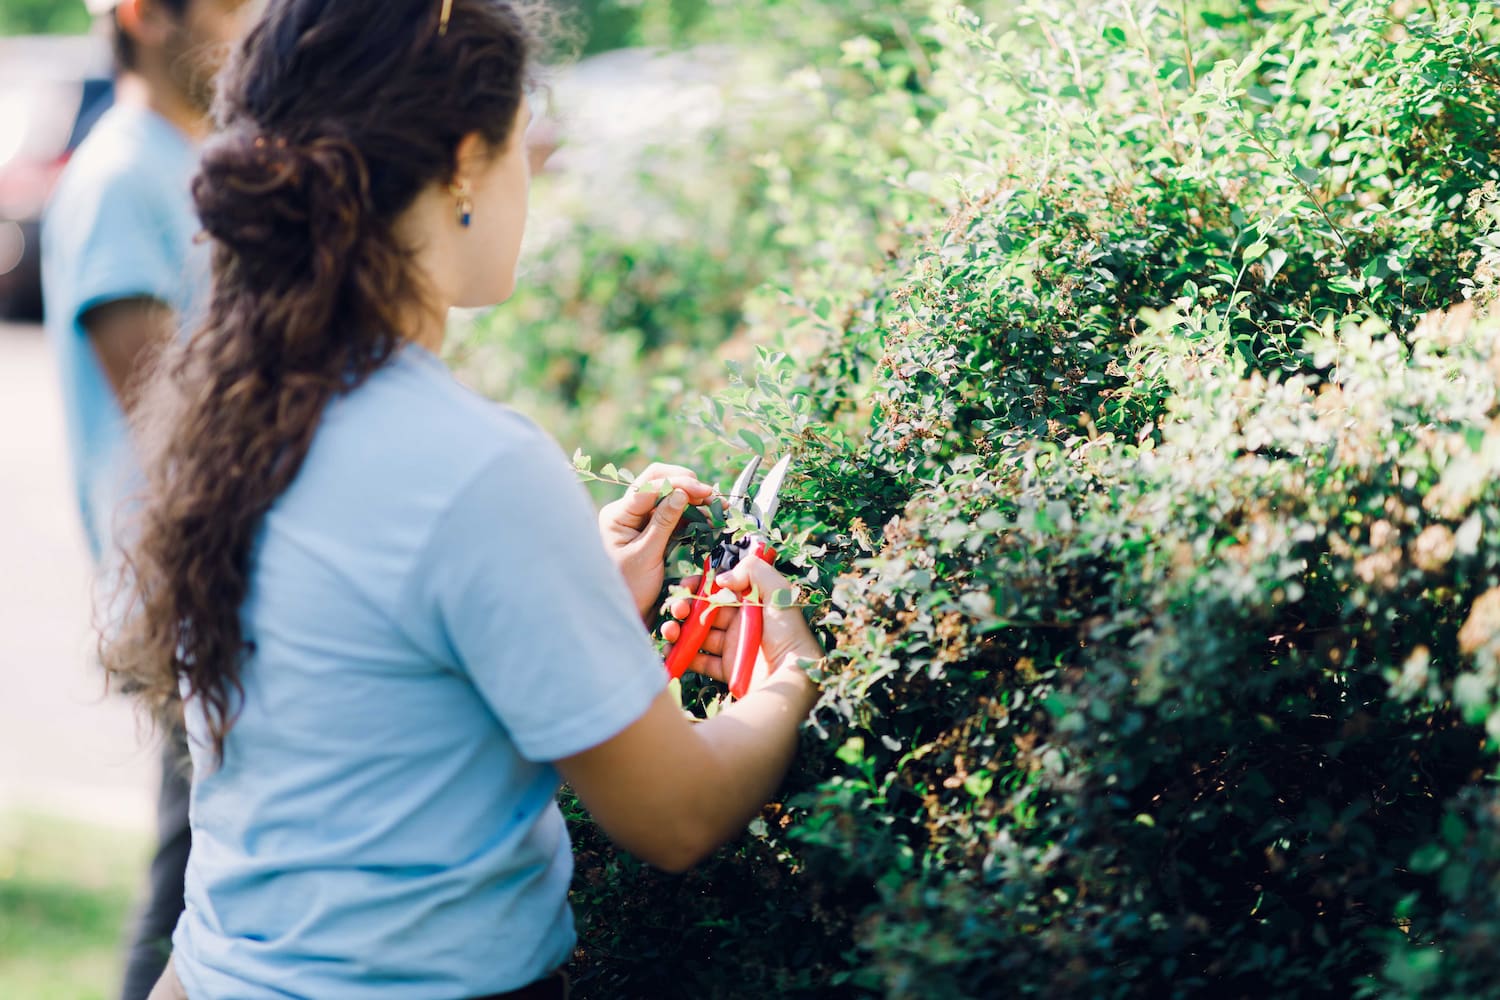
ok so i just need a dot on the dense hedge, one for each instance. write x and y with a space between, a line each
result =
1146 423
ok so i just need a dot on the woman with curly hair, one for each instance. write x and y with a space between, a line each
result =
382 604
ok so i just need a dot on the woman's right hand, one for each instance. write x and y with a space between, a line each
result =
786 640
670 789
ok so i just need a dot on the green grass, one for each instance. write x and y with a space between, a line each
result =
66 890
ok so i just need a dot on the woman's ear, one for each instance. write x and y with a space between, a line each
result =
128 14
143 20
471 158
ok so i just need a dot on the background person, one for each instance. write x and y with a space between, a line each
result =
120 271
385 601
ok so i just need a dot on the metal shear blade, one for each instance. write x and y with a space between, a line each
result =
763 508
739 495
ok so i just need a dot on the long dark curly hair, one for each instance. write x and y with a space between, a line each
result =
333 115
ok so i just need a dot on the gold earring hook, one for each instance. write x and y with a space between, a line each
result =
443 17
463 194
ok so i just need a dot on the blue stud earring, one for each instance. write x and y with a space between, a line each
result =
462 193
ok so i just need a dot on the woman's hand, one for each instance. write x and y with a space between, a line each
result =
670 790
638 527
785 637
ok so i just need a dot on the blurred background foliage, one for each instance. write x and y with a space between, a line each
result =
65 890
1139 366
41 17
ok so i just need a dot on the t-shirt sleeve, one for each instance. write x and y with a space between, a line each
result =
124 247
532 608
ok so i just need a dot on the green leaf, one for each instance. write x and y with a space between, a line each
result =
1260 95
979 783
1428 858
1454 830
853 751
1254 250
1274 261
753 440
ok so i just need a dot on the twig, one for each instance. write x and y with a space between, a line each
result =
679 592
1306 190
1161 104
920 62
663 487
1187 48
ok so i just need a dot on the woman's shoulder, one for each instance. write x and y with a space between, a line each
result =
413 419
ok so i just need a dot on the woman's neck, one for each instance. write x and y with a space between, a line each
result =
132 89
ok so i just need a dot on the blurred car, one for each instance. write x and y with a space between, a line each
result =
52 90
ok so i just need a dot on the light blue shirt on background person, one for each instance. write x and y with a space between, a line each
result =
120 225
431 620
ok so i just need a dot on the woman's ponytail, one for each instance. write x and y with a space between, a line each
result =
283 214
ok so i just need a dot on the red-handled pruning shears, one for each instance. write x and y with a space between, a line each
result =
725 556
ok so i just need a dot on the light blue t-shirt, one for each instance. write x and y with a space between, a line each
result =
434 619
120 225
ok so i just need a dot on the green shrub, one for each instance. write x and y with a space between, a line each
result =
1146 452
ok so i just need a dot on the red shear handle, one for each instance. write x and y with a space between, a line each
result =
752 617
700 621
697 625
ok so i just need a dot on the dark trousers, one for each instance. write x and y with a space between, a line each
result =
151 937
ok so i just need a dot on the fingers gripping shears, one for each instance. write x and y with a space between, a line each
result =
726 555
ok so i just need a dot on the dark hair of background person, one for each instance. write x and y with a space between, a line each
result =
124 45
333 115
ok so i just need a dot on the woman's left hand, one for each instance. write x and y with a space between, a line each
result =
638 527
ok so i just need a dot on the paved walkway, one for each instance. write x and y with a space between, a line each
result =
64 748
